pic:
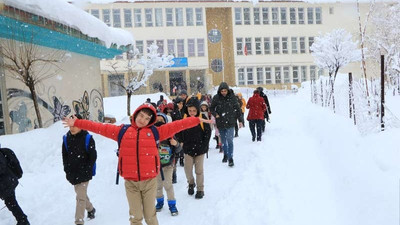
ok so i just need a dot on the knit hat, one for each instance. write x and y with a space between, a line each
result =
204 103
183 92
163 116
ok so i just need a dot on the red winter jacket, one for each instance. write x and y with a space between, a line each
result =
138 156
257 107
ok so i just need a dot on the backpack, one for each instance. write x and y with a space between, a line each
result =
12 162
122 133
87 141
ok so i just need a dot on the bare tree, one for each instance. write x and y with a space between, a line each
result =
27 62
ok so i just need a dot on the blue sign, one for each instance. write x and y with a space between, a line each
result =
180 62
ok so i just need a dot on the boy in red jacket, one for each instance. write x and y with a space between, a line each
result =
139 161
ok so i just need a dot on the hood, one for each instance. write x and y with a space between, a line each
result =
223 85
144 106
193 101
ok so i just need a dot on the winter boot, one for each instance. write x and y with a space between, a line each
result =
231 162
225 159
191 189
174 178
160 204
91 214
172 207
199 195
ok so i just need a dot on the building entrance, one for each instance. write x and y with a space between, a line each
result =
176 82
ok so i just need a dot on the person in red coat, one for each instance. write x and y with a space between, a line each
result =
139 161
257 107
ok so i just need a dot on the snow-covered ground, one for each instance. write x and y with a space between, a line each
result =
312 167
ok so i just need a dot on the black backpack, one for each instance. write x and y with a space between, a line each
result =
12 162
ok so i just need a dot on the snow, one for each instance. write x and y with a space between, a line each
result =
312 167
68 14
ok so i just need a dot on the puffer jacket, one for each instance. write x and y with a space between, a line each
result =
138 155
257 107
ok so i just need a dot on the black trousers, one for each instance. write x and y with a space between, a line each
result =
12 205
252 125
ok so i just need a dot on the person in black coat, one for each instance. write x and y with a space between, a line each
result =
268 111
9 181
78 166
226 110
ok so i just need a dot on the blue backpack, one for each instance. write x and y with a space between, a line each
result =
87 140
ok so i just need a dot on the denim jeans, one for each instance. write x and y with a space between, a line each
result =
227 140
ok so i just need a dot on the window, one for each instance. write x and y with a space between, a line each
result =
179 17
248 46
128 17
260 76
171 46
300 12
331 11
286 75
284 45
295 74
191 47
320 72
189 17
138 17
250 75
313 73
214 36
170 17
114 88
268 79
246 16
277 49
159 17
283 15
303 73
200 47
116 17
160 44
239 46
238 16
292 15
318 15
149 17
199 16
106 17
241 76
265 15
256 16
294 45
95 13
217 65
310 15
310 42
267 45
275 18
278 72
148 43
302 45
258 46
181 47
139 46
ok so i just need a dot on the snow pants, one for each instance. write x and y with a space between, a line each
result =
82 202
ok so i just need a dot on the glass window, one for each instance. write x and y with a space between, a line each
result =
318 15
292 15
189 17
283 15
214 36
258 46
300 12
310 43
260 77
114 87
268 78
331 10
310 15
239 46
106 17
302 45
238 16
248 46
295 74
171 46
170 17
137 13
95 13
116 17
200 47
191 47
179 17
284 45
246 16
267 45
199 16
159 17
128 17
265 15
313 73
320 73
241 76
160 45
275 18
249 71
149 17
256 15
149 43
303 73
286 75
181 47
277 49
278 72
217 65
139 46
294 45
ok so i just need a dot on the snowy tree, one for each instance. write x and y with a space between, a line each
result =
333 51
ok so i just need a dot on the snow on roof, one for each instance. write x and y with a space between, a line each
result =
253 1
68 14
